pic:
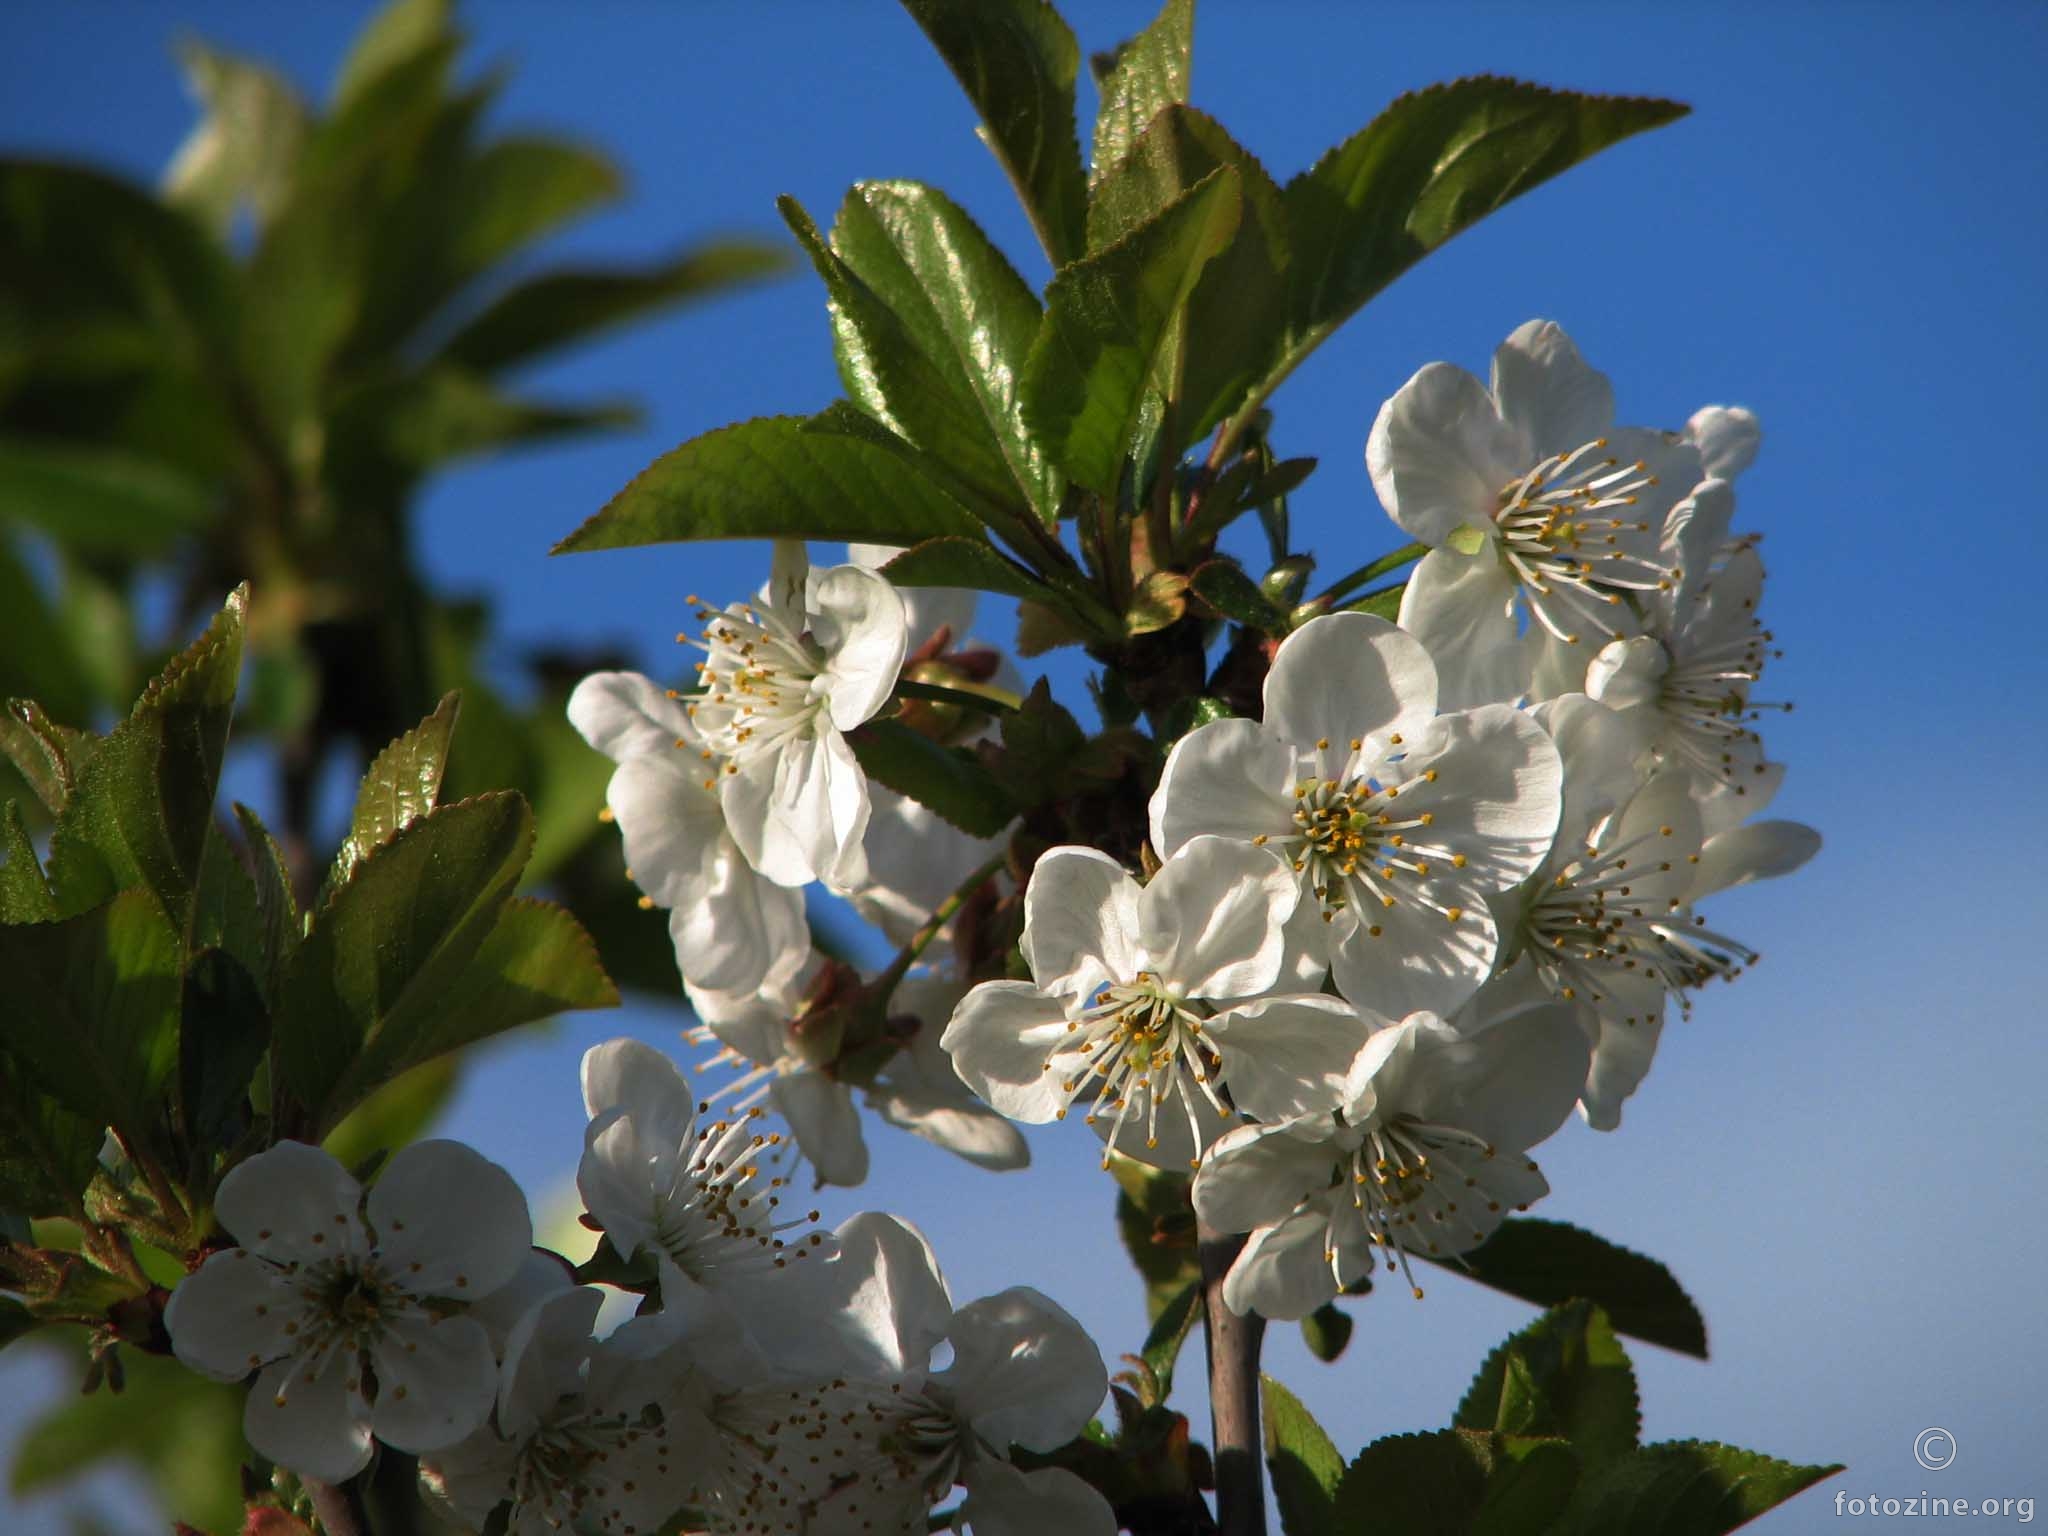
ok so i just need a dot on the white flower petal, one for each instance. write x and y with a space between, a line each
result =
1545 388
1762 850
1288 1056
1439 454
1258 1173
1728 438
1003 1501
739 932
1348 676
1023 1372
883 1296
625 715
826 1125
647 1084
436 1381
926 610
673 828
768 843
449 1221
1000 1038
317 1426
229 1316
1419 959
292 1203
962 1127
1080 923
1283 1273
1210 921
1462 608
544 1357
1230 778
1513 1084
1624 1033
857 616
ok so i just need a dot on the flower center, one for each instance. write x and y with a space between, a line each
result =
569 1466
762 681
861 1452
1355 847
721 1214
1140 1046
1568 531
1709 717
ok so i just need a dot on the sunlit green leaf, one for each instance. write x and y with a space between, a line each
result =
1683 1488
1564 1375
1305 1467
1143 77
247 141
401 785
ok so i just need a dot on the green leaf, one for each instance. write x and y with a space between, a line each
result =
1017 60
401 785
1040 744
1432 164
389 947
226 912
1170 1330
1236 315
275 903
244 148
946 780
1223 585
1304 1465
397 1114
956 562
97 996
923 396
47 755
143 805
24 893
1108 319
1550 1262
1157 1225
225 1031
1564 1375
770 478
1454 1483
37 657
963 303
556 309
1326 1331
398 33
536 962
99 499
445 411
517 189
1143 77
16 1321
47 1153
1683 1488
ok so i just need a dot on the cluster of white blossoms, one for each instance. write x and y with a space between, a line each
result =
776 1378
1382 938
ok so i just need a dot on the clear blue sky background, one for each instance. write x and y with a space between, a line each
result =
1842 1157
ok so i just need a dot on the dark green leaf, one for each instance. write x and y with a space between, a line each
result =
1017 60
37 658
1683 1488
770 478
1531 1481
1326 1331
537 962
1169 1332
386 951
16 1320
97 1001
1550 1262
401 785
399 1113
447 412
48 756
226 912
956 562
99 499
1414 1485
1236 314
1432 164
924 396
224 1032
143 805
556 309
1146 75
517 189
1108 320
1157 1224
1305 1466
945 780
275 903
47 1154
1223 585
964 304
24 893
1564 1375
1040 744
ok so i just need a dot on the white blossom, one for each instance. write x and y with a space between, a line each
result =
340 1304
1146 1003
733 929
1399 823
1423 1152
1528 495
784 678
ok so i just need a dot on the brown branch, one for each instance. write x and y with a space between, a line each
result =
1233 1393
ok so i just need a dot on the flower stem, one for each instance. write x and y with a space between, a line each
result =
338 1506
942 914
1233 1393
1371 570
985 697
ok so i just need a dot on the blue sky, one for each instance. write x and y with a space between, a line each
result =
1842 1157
